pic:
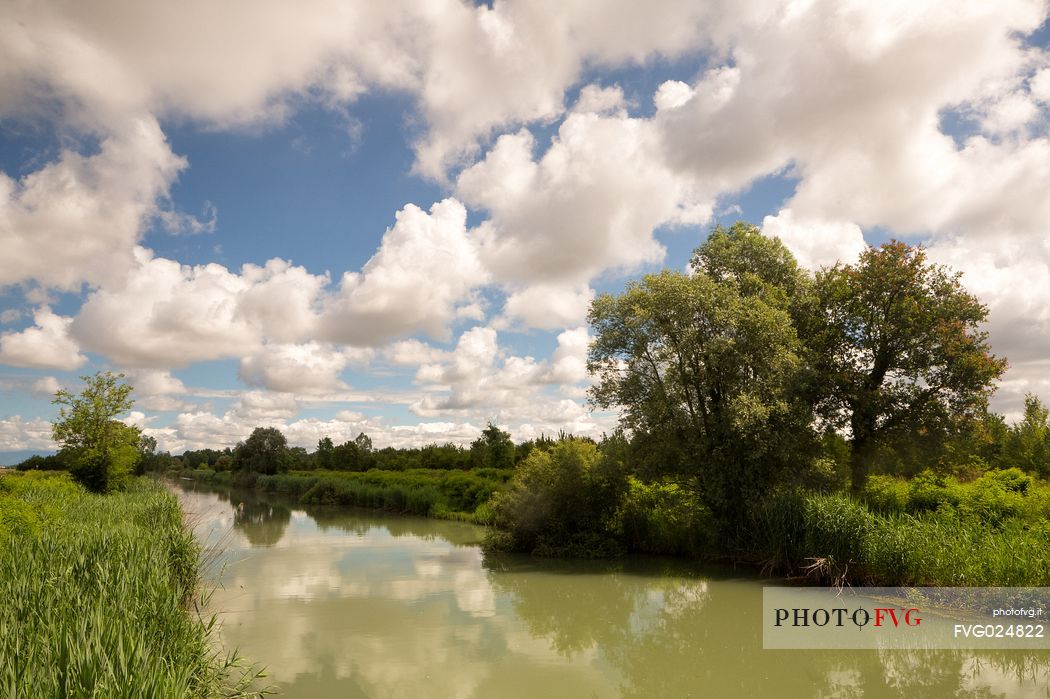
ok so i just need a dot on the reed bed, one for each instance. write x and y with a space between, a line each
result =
837 539
98 597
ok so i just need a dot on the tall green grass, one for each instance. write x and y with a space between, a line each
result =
97 596
836 539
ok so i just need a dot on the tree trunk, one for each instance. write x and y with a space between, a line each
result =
862 425
858 467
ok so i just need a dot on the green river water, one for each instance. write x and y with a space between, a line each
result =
351 603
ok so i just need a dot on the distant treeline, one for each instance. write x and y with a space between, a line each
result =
266 451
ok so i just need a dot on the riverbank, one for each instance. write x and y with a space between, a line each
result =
926 531
444 494
837 539
100 595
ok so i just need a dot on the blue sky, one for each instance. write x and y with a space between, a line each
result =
348 218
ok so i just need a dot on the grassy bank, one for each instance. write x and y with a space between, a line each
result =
836 539
446 494
993 531
98 596
932 530
927 530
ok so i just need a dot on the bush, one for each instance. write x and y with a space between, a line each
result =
17 518
992 499
1012 479
102 471
887 494
664 518
562 502
928 491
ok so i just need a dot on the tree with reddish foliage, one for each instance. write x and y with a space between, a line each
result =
899 347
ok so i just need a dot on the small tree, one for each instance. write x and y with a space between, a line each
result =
493 449
1028 442
265 451
100 450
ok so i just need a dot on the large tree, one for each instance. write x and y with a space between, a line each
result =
100 450
899 347
706 369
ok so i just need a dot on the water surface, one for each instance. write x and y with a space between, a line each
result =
351 603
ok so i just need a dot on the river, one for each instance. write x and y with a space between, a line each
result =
351 603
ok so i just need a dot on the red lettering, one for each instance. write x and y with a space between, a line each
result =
889 610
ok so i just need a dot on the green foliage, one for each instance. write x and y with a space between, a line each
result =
354 455
1012 479
445 457
995 496
52 462
664 518
835 539
1027 444
992 498
777 529
493 449
707 369
562 502
836 531
87 420
265 451
887 494
436 493
100 451
755 263
898 347
928 491
17 516
323 455
420 500
94 592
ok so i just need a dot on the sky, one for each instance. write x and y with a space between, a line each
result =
338 217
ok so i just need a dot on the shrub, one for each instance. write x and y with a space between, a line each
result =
928 491
664 518
887 494
562 502
991 499
1012 479
102 471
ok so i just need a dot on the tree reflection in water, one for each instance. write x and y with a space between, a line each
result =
680 635
261 521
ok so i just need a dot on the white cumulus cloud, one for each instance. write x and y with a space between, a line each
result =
46 344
